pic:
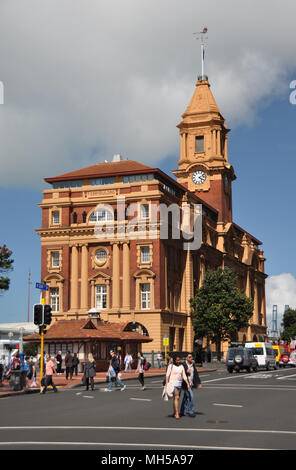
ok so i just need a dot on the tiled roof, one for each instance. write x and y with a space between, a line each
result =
103 169
89 329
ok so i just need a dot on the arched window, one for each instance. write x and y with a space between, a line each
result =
138 327
101 215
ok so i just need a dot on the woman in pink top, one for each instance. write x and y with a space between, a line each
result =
50 370
175 375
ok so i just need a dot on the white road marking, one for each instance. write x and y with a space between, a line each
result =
286 377
134 428
125 444
232 406
141 399
246 387
239 376
87 396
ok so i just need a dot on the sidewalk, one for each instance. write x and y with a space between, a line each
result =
61 382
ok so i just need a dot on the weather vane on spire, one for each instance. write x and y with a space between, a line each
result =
201 35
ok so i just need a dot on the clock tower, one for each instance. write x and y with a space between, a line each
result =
203 166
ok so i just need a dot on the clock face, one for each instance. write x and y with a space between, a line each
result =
199 177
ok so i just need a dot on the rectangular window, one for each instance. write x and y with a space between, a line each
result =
199 144
55 259
138 178
102 181
52 349
67 184
145 296
55 299
145 254
56 217
144 211
101 297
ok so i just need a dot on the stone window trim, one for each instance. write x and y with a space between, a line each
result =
96 264
144 276
140 245
55 281
50 267
52 210
144 202
100 279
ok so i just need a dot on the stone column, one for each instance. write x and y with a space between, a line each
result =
189 294
84 277
202 270
115 277
219 142
126 302
74 278
226 148
256 304
93 295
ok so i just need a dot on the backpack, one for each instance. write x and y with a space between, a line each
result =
146 364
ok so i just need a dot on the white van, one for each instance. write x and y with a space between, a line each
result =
264 354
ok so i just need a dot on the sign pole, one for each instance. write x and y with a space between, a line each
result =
42 354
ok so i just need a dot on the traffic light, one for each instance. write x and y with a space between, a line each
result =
38 314
47 314
44 330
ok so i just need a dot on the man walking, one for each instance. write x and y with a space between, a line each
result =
140 369
115 365
69 365
188 406
50 370
59 362
75 364
159 359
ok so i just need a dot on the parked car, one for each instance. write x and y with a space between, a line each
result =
240 358
288 359
284 359
264 354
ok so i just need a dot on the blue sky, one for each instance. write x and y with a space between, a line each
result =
263 156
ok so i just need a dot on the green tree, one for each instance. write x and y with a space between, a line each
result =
289 324
30 349
219 309
5 267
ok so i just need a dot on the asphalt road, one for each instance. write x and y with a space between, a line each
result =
237 411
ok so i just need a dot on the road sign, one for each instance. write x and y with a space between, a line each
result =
41 286
165 340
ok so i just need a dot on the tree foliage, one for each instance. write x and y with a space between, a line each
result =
289 324
220 309
5 267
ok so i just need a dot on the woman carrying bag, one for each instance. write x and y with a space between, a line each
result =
89 371
174 378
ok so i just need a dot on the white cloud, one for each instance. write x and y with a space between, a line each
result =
85 80
280 291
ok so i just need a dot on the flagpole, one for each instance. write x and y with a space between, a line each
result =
202 60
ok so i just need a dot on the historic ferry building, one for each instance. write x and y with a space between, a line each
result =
141 281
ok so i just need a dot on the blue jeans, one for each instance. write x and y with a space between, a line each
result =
117 382
188 406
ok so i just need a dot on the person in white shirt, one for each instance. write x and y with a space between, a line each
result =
128 362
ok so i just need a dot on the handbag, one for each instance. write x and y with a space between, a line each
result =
33 382
168 391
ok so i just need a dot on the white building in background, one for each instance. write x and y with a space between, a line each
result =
11 335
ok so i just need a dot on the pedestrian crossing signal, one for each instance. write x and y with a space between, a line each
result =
47 315
38 314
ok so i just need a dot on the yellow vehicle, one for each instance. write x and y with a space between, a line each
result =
277 352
